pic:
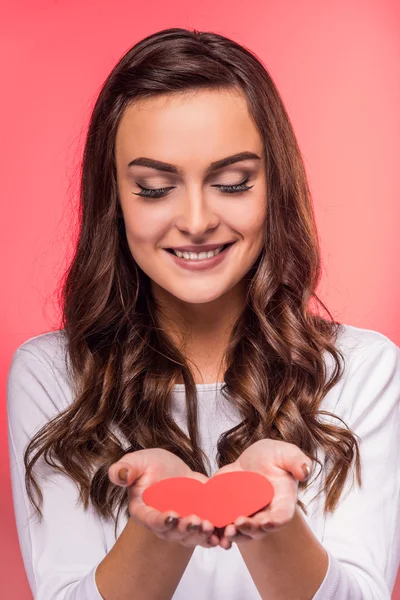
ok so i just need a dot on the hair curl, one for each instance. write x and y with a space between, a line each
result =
123 366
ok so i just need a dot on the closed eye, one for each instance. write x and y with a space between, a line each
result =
160 192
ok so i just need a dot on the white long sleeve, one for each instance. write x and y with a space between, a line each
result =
362 537
60 555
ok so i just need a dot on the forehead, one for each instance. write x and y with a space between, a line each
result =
213 122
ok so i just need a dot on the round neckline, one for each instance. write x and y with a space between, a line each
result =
180 387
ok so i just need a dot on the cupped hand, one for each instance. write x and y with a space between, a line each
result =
282 464
145 467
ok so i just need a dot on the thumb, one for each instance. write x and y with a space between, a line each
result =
292 459
124 473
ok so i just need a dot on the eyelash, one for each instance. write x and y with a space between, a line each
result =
226 189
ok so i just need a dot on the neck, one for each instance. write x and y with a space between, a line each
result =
201 331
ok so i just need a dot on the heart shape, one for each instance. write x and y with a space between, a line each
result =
221 500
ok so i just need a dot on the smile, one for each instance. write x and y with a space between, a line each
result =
199 262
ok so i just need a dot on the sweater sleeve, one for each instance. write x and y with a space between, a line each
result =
362 536
61 553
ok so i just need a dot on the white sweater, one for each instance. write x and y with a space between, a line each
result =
362 537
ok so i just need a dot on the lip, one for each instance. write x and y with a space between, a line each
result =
200 265
198 249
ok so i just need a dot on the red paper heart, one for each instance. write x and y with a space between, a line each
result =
221 500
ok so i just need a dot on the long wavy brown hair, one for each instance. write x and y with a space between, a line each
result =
123 366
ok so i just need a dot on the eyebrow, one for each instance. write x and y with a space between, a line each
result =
214 166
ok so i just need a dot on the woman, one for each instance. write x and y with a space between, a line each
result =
171 362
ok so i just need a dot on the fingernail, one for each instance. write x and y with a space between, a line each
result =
267 526
238 536
306 470
193 527
123 475
172 521
209 541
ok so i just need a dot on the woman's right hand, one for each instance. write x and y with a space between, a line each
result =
146 467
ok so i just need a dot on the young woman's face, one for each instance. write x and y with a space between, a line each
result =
187 134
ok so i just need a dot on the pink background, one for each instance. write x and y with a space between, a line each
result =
336 65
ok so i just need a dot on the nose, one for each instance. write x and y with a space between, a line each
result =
196 214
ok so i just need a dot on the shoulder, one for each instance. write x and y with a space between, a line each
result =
363 348
369 388
360 339
39 373
49 348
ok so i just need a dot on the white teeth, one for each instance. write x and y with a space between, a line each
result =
195 256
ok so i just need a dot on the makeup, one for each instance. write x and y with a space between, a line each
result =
201 265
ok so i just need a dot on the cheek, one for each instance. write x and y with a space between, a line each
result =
144 228
250 223
250 215
139 239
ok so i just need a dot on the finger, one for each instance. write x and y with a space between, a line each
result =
123 473
208 527
211 539
290 458
277 514
232 534
158 522
249 527
192 531
208 540
192 528
188 526
225 543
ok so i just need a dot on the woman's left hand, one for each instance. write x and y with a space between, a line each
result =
282 463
